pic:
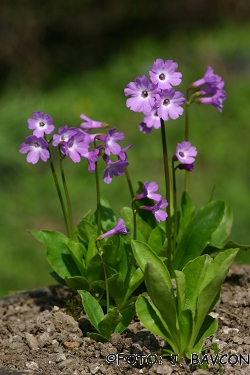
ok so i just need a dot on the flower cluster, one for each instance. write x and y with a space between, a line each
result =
75 143
213 92
149 190
156 99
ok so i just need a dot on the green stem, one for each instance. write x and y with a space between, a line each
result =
132 259
72 230
167 185
98 195
98 200
129 183
175 203
187 134
59 193
105 274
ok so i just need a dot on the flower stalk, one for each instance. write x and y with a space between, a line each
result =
167 186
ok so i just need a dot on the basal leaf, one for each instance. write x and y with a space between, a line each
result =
156 239
77 282
108 218
108 323
152 320
58 254
127 316
144 254
198 233
92 308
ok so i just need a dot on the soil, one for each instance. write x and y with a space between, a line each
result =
39 336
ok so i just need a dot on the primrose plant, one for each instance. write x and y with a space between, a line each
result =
105 259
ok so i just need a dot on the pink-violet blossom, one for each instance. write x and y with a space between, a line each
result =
120 228
168 104
163 74
185 153
88 123
110 141
40 123
152 119
209 78
157 210
75 147
36 147
149 190
142 94
116 168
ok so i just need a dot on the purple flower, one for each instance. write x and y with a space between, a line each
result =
122 154
89 124
36 147
64 134
144 128
92 157
216 100
119 229
185 152
111 139
187 167
163 74
209 78
142 94
41 124
75 147
113 169
149 190
168 104
159 214
152 119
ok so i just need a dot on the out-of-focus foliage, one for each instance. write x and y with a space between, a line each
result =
28 197
42 41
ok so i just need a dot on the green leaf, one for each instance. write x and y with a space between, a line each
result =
156 239
111 249
142 228
152 320
95 270
77 282
136 279
198 233
92 251
85 230
180 289
195 272
97 337
116 287
186 322
109 322
108 218
223 231
187 213
211 284
59 255
229 245
127 316
144 254
92 308
208 328
37 234
162 296
77 251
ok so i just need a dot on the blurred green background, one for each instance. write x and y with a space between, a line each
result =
69 58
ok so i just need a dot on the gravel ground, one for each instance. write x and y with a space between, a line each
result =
38 336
